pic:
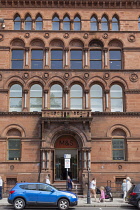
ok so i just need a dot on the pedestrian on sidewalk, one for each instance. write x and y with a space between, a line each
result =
102 195
93 188
47 180
1 184
124 189
70 183
128 184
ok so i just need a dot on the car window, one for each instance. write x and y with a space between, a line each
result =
44 187
137 188
30 187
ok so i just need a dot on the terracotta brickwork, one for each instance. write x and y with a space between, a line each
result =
93 131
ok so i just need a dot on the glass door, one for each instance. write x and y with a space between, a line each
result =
60 170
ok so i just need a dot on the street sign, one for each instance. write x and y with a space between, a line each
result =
67 163
68 156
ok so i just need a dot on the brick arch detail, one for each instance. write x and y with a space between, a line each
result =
55 80
115 80
36 80
14 80
80 136
122 127
76 80
13 126
96 80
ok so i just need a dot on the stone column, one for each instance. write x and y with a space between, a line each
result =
45 99
66 91
86 58
86 98
107 100
47 57
43 159
26 56
71 25
61 24
66 57
85 159
25 108
105 58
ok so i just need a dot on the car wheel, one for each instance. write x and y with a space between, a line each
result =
138 204
19 203
63 204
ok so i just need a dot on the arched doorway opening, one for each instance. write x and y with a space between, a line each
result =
65 145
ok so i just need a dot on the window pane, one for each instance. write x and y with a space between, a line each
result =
66 23
116 105
17 64
16 91
115 54
56 91
56 26
15 103
28 25
115 27
93 26
14 154
56 54
115 64
77 26
118 155
76 91
39 25
56 103
76 54
37 65
14 144
96 104
95 65
17 25
96 91
17 54
116 91
76 65
35 104
76 103
95 54
56 65
37 54
36 91
118 143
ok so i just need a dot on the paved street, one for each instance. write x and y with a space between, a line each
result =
8 207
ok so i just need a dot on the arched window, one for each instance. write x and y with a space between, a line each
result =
93 24
56 23
17 23
104 23
66 23
139 23
76 97
39 23
96 98
116 96
77 23
56 97
115 24
36 98
28 23
96 48
118 144
15 98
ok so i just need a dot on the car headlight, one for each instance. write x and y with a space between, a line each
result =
73 196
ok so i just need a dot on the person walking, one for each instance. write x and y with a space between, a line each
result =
102 195
124 189
1 184
69 183
93 188
47 180
128 184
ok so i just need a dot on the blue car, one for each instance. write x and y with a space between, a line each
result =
40 194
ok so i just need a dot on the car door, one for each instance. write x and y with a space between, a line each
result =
47 195
30 193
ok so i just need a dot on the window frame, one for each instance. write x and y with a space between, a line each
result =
39 21
114 22
65 22
57 98
13 138
75 97
103 22
28 21
17 21
77 22
13 97
33 97
23 59
115 98
42 59
119 60
94 22
61 60
123 149
78 60
54 21
100 97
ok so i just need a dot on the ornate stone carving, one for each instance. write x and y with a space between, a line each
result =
86 75
27 35
106 76
11 167
0 77
66 76
85 36
131 38
25 76
46 76
66 35
1 37
133 77
47 35
105 35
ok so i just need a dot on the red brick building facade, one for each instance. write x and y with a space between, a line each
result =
69 84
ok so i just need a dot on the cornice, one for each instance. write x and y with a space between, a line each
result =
100 4
19 113
117 114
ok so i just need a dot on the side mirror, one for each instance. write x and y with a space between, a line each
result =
52 190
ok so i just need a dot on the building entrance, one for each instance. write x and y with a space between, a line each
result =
66 145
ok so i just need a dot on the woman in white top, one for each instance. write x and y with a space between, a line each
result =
93 187
47 180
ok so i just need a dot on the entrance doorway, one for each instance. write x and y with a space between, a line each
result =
66 145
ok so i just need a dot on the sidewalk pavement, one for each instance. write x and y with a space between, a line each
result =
82 202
